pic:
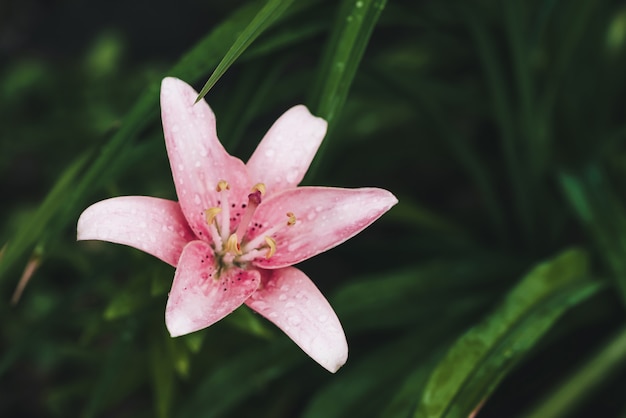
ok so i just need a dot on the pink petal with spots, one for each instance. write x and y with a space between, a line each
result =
156 226
325 217
290 300
285 153
197 158
199 297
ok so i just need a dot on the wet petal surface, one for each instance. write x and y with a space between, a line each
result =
289 299
197 158
156 226
287 149
325 217
199 297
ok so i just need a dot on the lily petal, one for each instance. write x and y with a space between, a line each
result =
289 299
156 226
197 158
283 156
325 217
199 297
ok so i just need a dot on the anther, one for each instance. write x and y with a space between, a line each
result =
271 243
259 187
292 219
222 185
210 214
232 245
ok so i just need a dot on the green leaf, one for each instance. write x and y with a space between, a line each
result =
239 376
596 203
396 299
272 10
356 390
35 228
162 376
479 360
351 32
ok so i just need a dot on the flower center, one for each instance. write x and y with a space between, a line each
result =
235 248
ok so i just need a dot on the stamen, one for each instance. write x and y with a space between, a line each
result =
232 245
210 214
257 242
224 227
271 243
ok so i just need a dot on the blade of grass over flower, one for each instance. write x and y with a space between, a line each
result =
480 359
259 24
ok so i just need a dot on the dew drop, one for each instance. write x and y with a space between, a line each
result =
273 315
282 297
270 153
196 199
294 320
203 152
322 318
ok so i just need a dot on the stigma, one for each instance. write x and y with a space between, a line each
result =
235 247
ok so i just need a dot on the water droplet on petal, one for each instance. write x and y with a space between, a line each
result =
322 318
294 320
282 297
196 199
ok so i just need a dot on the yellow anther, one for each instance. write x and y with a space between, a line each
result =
271 243
222 185
232 245
260 187
210 214
292 219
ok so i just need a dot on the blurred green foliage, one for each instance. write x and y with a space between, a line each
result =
498 282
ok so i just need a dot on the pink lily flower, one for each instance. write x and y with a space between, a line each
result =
238 228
